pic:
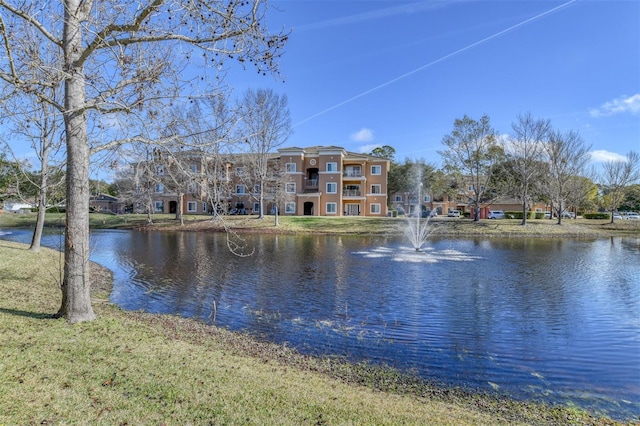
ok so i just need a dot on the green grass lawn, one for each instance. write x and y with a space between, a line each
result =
441 226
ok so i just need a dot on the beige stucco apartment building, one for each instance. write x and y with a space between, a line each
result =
313 181
330 181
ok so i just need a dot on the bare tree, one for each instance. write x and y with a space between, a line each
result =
38 124
266 125
120 57
207 130
567 156
581 193
473 152
617 176
524 149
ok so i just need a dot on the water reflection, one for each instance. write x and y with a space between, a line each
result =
556 319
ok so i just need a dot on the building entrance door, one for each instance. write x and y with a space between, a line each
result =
308 208
352 209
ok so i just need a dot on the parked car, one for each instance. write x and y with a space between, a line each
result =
496 214
568 214
632 216
617 215
454 213
547 215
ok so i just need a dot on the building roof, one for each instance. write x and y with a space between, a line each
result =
324 148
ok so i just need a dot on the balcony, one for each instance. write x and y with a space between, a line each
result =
311 184
351 193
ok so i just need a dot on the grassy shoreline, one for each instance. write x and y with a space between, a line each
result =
440 226
137 368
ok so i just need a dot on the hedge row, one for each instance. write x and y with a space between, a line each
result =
597 216
518 215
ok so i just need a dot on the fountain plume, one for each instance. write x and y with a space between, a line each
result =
417 230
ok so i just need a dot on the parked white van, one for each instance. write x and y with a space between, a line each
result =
14 207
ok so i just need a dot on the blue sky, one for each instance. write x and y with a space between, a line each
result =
361 74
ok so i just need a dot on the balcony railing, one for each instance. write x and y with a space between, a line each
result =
311 184
352 174
351 193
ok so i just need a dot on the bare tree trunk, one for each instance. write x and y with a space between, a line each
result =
42 208
42 199
179 212
261 203
76 284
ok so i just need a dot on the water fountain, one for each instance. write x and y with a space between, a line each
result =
417 229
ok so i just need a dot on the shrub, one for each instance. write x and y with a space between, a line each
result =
518 215
56 210
596 216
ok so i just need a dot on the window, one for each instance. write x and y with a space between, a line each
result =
239 171
204 207
398 198
376 189
332 167
290 207
376 170
332 188
159 188
332 208
159 170
471 188
375 208
256 188
194 168
158 206
290 167
290 188
192 187
426 199
239 189
256 207
192 206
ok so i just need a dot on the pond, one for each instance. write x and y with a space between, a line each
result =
554 320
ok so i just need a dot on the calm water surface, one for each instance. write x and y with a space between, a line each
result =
541 319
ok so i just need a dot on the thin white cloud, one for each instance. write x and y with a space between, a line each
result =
362 135
377 14
365 149
623 104
602 155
